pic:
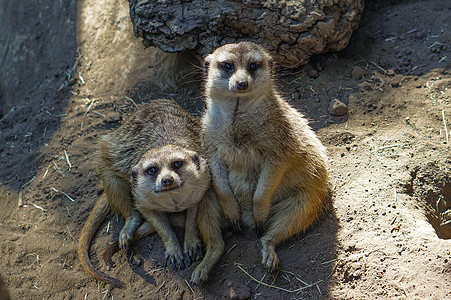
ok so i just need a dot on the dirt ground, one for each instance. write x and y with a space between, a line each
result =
78 71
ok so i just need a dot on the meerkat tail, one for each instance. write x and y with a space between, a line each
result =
95 218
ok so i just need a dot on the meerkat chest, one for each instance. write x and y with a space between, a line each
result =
241 158
239 128
237 138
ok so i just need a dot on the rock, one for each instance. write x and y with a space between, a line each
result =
390 73
396 81
312 73
291 30
358 73
337 108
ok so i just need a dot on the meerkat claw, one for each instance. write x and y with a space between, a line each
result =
236 225
174 262
166 262
182 265
195 281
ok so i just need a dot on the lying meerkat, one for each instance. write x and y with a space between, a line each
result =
150 166
269 169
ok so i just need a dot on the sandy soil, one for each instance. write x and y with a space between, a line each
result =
387 236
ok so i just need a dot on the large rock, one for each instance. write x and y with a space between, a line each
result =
292 30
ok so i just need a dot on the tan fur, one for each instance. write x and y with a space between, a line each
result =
4 295
186 187
159 134
269 169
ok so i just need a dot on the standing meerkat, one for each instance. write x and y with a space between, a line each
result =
268 167
150 166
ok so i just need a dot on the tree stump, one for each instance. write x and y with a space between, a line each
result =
291 30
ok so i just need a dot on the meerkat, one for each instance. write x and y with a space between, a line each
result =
269 169
150 166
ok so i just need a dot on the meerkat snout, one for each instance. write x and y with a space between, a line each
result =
239 81
167 180
242 85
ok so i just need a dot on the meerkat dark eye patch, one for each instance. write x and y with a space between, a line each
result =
254 66
226 66
177 164
152 171
134 175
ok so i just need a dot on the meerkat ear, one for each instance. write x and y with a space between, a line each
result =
195 159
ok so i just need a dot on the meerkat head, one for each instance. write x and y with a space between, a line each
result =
169 178
241 69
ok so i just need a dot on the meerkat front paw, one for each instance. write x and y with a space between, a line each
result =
199 275
193 250
270 260
125 236
174 257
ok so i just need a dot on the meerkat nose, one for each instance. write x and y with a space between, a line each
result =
167 181
242 85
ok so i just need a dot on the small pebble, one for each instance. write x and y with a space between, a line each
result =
390 73
396 84
313 73
358 73
337 108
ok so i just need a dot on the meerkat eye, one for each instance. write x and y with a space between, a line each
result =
177 164
227 67
253 66
152 171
